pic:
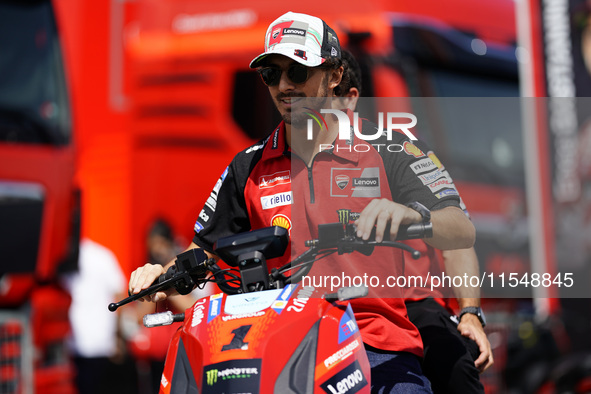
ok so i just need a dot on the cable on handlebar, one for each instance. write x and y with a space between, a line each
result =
304 265
223 283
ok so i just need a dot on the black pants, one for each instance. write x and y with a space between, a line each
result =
449 357
100 375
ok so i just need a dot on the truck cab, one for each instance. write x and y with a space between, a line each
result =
39 200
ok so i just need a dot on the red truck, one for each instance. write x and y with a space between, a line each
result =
142 105
39 200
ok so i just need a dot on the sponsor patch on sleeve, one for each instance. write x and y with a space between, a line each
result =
423 165
198 227
447 192
211 203
435 159
431 176
412 150
442 183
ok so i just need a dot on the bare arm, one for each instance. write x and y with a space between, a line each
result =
460 262
451 228
143 277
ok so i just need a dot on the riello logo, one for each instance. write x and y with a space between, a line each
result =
344 123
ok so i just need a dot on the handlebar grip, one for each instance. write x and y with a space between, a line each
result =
167 275
410 231
415 231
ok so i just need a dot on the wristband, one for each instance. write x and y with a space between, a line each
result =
474 310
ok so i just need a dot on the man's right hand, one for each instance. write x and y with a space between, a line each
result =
143 277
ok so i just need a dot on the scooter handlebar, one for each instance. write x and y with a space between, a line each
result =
189 268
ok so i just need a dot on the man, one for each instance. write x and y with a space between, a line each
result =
302 60
447 362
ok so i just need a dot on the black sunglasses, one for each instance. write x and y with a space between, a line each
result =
296 73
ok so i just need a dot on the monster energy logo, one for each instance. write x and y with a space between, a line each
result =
226 376
229 373
345 215
212 377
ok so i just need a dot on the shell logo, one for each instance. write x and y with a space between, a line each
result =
435 159
412 150
281 221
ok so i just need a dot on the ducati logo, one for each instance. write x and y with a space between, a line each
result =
276 32
342 181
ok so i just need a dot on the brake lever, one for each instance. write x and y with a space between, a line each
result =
366 247
183 275
165 284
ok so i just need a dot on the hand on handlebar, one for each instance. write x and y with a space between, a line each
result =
380 213
143 277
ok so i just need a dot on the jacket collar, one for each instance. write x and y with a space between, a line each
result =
348 149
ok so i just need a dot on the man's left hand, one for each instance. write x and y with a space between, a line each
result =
471 327
380 213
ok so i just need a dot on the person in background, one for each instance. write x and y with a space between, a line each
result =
102 364
160 242
455 349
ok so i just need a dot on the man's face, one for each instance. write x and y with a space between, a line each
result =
288 96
